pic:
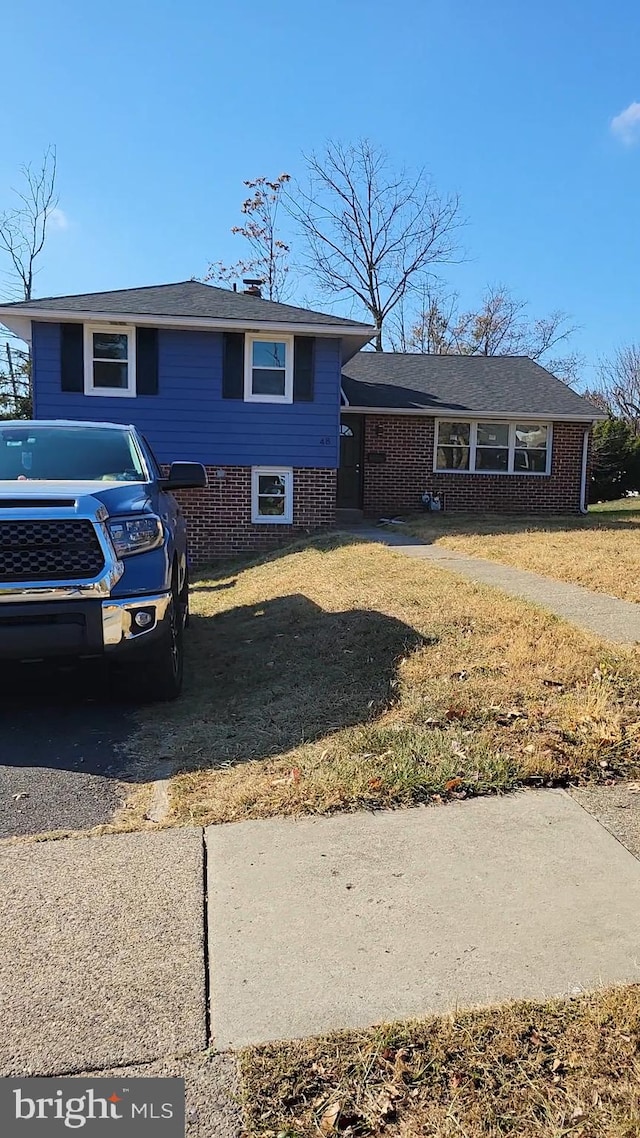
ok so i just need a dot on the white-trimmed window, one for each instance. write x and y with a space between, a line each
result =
109 360
272 495
268 369
482 447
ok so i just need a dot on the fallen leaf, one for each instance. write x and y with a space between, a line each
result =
294 775
330 1117
400 1066
375 783
385 1108
453 784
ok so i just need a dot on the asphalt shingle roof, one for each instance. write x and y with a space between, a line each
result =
444 384
186 298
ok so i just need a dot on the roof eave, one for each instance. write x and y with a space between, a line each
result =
18 320
441 412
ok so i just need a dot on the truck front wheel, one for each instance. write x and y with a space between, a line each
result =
164 671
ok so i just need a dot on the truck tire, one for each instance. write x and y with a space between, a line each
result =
164 671
159 676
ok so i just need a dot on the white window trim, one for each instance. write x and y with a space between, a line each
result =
474 423
127 392
268 338
285 519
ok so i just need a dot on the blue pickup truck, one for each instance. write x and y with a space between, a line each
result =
93 551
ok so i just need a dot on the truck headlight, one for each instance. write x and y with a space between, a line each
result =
136 535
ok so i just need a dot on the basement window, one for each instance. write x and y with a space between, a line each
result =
272 495
483 447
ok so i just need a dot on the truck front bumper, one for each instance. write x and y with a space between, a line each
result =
81 628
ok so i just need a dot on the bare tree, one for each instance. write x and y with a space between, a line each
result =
600 399
23 228
23 233
269 254
371 233
432 329
501 326
619 385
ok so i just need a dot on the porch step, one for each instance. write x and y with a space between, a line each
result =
348 517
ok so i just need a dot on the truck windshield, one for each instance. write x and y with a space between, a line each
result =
61 454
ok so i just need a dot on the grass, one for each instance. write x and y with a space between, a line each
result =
337 675
529 1070
600 551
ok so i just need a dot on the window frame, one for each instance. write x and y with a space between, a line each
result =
286 519
268 338
128 330
512 446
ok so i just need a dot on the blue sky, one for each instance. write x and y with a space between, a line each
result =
159 111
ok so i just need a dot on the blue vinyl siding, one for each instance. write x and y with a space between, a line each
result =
188 419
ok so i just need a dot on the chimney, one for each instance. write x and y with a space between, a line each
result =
253 286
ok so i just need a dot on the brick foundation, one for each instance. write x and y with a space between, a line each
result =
396 486
219 517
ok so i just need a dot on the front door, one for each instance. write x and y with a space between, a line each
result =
350 472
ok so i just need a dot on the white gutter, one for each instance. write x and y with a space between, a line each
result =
468 413
16 318
583 477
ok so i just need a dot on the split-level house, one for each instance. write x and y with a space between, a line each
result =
296 418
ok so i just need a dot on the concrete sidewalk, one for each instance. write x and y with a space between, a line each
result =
101 951
596 612
103 970
343 922
313 924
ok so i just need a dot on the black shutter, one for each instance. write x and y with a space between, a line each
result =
146 361
233 366
72 357
303 360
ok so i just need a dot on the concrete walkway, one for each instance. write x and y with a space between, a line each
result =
344 922
312 924
596 612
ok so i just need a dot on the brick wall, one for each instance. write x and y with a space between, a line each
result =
219 517
396 485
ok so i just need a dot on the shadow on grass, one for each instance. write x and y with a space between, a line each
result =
264 678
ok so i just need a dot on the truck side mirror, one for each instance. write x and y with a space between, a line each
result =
185 476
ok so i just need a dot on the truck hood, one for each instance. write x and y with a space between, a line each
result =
117 497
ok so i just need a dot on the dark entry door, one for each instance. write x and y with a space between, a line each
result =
350 472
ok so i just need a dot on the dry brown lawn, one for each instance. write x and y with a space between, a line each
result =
527 1070
600 551
338 675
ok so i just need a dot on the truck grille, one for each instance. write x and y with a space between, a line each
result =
49 551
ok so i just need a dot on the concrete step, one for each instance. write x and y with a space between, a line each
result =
348 517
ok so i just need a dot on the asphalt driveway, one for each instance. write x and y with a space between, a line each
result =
61 766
